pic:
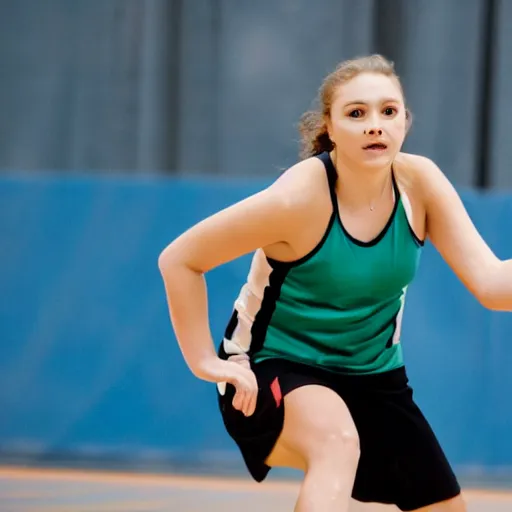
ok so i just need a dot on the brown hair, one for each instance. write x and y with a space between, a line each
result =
312 126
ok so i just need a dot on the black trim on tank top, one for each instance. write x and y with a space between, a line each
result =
331 181
332 178
230 328
268 306
228 334
277 264
263 316
416 238
331 171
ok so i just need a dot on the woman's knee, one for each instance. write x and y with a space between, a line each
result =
318 426
332 441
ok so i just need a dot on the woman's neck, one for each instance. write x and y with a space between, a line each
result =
360 188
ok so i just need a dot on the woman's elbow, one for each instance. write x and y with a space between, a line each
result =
169 258
492 295
485 298
174 259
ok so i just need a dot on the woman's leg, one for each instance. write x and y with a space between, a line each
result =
320 438
454 505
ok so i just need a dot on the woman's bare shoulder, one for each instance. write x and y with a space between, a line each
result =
412 171
302 183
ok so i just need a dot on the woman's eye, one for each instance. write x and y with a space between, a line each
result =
356 113
389 111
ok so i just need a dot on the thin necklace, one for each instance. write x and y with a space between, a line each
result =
372 205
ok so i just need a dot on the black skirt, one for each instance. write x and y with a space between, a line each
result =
401 461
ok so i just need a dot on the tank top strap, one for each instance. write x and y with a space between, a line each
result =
332 177
396 190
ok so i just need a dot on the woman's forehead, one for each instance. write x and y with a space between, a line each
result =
369 87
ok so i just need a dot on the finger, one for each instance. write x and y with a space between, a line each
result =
241 361
245 402
252 403
246 364
239 358
254 394
249 403
250 395
238 400
241 398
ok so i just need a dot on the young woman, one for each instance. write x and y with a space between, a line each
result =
310 372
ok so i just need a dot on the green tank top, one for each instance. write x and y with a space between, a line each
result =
339 307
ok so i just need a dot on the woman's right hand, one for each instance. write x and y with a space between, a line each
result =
237 372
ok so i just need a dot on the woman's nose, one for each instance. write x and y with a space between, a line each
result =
373 131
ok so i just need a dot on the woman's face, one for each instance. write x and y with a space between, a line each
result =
368 120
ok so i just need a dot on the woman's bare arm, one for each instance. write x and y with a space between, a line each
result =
452 232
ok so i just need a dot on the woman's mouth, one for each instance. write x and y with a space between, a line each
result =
376 147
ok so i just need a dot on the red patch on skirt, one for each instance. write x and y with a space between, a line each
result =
276 391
